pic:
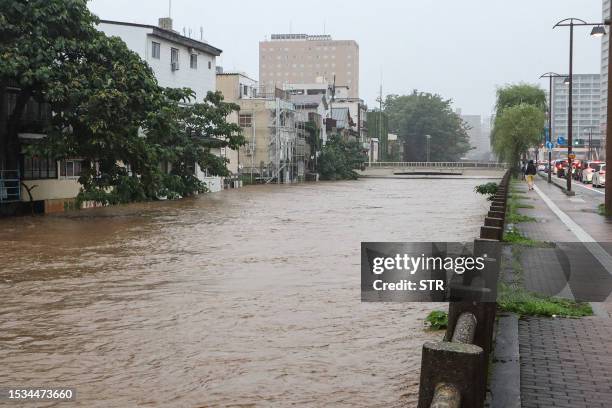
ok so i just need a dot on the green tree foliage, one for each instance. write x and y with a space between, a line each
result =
517 129
38 38
519 120
185 133
138 141
418 114
339 158
512 95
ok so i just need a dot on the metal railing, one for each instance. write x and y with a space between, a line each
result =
10 186
454 371
454 165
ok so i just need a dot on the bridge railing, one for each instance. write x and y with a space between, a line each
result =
454 165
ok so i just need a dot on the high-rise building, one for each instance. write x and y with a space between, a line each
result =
586 114
303 58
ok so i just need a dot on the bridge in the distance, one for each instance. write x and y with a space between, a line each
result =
471 169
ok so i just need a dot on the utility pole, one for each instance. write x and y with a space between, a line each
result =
570 140
608 196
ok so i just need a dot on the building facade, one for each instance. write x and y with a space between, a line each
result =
177 62
275 149
303 58
586 114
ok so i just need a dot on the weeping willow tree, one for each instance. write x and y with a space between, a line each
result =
517 129
519 121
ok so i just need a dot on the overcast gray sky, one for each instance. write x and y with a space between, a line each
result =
461 49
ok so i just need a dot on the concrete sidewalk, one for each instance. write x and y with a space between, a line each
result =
564 362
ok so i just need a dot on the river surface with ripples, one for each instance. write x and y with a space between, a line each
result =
247 297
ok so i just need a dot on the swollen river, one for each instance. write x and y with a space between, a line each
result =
246 297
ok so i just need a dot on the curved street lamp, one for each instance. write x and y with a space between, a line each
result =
550 76
598 31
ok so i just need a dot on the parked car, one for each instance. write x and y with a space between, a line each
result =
557 164
586 170
576 165
599 177
562 168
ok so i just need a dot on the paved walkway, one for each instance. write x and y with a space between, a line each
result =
565 362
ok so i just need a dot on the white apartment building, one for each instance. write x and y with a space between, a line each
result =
177 62
586 114
302 58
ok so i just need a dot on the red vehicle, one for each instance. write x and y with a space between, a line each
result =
576 166
559 167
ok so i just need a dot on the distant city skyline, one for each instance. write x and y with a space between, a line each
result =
460 50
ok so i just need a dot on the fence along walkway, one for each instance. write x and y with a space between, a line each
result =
454 371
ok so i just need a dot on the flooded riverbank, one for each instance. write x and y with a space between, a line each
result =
246 297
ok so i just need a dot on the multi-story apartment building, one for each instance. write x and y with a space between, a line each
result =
177 61
586 114
302 58
275 149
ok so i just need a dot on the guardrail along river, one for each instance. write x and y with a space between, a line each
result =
244 297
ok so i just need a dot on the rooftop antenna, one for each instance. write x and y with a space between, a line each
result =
324 28
290 27
169 8
189 32
201 33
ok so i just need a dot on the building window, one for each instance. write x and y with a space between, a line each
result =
193 61
174 58
35 168
245 90
209 65
71 168
245 120
155 50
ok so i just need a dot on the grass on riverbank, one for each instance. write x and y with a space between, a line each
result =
517 300
512 297
437 320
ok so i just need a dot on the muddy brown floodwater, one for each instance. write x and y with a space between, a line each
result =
246 297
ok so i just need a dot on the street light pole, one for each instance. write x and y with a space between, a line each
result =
550 76
570 127
608 196
428 137
597 31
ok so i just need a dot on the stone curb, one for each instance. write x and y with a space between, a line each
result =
505 385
